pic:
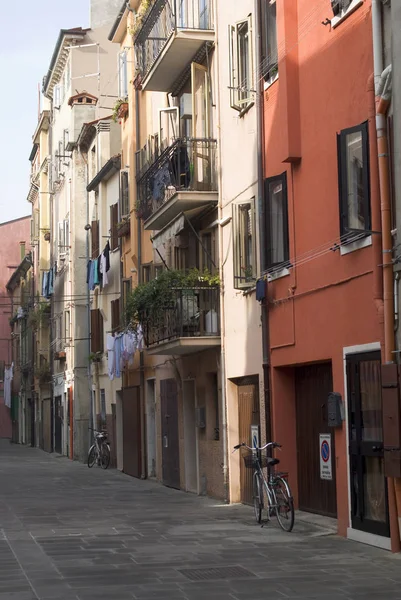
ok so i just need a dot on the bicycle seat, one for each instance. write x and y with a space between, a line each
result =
272 461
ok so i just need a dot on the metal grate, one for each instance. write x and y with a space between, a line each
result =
216 573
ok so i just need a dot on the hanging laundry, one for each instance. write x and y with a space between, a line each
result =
92 276
103 270
110 341
139 338
44 283
8 377
88 271
51 282
117 353
106 253
96 274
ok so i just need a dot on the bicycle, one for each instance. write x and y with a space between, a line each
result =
99 452
280 502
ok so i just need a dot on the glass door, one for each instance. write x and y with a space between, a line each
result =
369 507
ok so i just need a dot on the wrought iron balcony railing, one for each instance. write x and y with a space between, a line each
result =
189 313
165 18
188 164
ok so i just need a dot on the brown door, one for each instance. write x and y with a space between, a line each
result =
248 414
58 424
132 463
170 441
313 384
47 425
112 431
369 508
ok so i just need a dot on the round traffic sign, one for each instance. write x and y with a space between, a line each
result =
325 451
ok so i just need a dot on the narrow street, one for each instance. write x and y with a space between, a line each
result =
71 533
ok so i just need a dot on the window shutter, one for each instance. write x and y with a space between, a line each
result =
124 194
113 226
95 239
61 242
96 331
115 314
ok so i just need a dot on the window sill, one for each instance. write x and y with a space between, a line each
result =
246 109
278 274
249 291
270 81
353 246
335 21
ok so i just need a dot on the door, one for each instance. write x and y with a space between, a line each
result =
113 436
248 414
313 384
132 439
151 426
201 154
170 441
58 424
369 508
190 442
46 425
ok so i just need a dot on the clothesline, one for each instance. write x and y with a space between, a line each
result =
121 350
97 269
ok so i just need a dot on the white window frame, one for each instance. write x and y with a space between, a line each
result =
337 19
58 95
122 75
239 243
236 101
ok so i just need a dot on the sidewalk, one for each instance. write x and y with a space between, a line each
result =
69 533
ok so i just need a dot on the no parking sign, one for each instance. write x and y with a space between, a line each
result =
325 456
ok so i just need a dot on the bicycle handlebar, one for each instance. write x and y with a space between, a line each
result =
269 444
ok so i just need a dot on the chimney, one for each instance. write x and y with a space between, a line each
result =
104 12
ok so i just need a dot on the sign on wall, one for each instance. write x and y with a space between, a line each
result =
325 456
255 436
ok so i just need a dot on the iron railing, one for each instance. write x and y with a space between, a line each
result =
163 19
188 164
188 312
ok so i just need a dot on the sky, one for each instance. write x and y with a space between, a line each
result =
29 34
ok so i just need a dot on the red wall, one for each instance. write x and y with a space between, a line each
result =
327 303
11 234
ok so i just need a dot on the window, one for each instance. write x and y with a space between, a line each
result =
64 236
270 64
113 226
115 314
244 244
276 222
341 8
67 326
158 270
241 64
58 95
95 239
124 194
122 75
146 273
60 157
353 180
96 331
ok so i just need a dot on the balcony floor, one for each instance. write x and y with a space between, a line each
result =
184 345
174 58
178 203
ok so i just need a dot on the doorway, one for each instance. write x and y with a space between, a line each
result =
369 506
170 441
131 416
151 426
58 424
47 425
313 384
248 414
190 436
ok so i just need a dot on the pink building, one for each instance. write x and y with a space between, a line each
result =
15 242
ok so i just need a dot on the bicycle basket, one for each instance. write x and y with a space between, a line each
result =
251 461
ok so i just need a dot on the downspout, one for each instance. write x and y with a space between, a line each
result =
222 361
383 90
139 279
260 149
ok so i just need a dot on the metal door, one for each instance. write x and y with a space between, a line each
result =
58 424
248 414
170 441
369 507
46 425
313 384
132 439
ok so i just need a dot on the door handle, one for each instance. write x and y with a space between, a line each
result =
377 448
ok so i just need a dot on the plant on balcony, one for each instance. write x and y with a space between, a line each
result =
43 373
148 300
140 16
46 235
120 109
123 226
95 357
39 315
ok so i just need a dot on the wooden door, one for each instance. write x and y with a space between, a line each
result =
313 384
369 507
58 424
47 425
248 414
132 439
170 440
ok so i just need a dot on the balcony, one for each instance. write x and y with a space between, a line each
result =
171 35
189 323
181 177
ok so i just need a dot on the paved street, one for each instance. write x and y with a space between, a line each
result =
69 533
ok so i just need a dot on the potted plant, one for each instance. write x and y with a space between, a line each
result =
140 17
123 227
46 235
43 373
95 357
120 109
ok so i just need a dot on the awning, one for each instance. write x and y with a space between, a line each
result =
171 230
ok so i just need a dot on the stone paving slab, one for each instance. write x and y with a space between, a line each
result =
70 533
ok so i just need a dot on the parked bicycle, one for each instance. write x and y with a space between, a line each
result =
99 452
274 488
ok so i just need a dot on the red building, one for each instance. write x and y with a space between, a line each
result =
15 240
323 259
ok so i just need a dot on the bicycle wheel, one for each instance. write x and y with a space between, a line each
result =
257 499
104 456
284 504
92 456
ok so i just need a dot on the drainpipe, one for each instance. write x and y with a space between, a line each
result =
222 361
383 90
139 279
